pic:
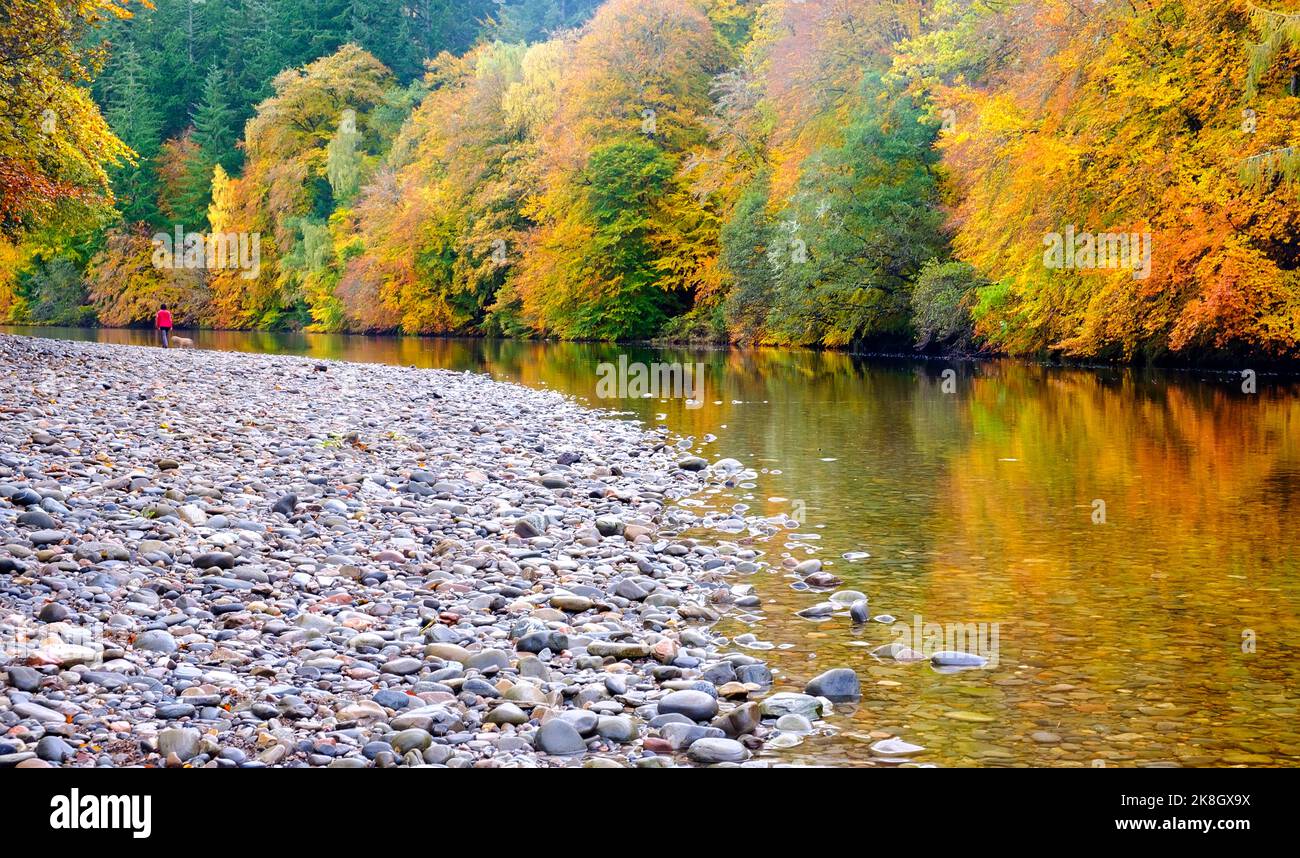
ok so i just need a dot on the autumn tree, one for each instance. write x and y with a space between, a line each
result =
55 146
284 194
443 226
1123 120
635 98
127 285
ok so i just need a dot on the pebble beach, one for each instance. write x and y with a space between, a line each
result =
213 559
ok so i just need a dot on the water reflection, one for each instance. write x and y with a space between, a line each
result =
1125 637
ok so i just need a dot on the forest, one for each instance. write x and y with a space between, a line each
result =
1085 179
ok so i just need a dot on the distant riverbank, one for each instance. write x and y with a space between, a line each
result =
227 339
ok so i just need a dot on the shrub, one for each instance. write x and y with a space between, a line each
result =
942 297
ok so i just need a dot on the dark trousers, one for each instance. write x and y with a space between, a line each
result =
166 336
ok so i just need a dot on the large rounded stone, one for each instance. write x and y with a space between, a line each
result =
559 738
156 640
952 658
789 703
181 741
412 739
836 684
507 713
695 705
717 751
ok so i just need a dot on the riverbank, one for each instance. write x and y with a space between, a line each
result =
221 559
1227 365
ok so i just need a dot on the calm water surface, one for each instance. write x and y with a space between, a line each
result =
1166 633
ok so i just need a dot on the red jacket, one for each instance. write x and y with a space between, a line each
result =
163 319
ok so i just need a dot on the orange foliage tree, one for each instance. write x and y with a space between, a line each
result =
1101 121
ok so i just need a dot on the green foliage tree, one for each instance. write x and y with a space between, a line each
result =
56 294
131 111
746 238
942 298
535 20
863 220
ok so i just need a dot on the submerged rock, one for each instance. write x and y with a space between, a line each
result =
789 703
953 658
837 684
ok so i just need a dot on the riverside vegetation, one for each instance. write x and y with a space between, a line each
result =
841 173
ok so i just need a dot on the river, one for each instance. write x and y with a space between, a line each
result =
1119 542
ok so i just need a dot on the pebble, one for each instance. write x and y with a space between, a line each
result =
790 703
23 678
794 723
183 742
897 652
156 640
895 747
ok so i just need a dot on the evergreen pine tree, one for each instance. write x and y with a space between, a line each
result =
215 130
133 116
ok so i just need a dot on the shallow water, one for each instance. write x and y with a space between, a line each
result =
1159 625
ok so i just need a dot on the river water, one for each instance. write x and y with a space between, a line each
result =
1121 544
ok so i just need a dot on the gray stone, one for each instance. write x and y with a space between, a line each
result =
717 751
23 678
897 652
583 720
617 728
559 738
403 666
682 736
507 713
44 714
53 749
837 684
952 658
38 519
786 703
488 658
793 723
219 559
156 640
695 705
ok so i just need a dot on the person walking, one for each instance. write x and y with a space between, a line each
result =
163 322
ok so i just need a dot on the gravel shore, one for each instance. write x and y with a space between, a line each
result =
221 559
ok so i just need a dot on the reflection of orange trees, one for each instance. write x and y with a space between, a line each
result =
1194 548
